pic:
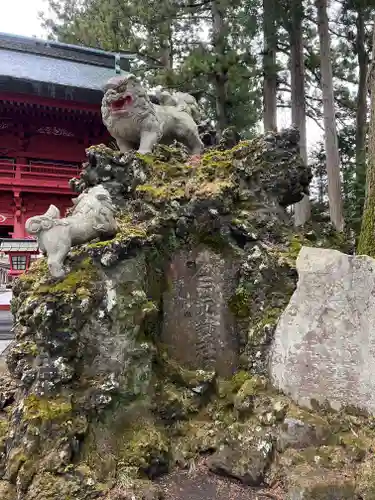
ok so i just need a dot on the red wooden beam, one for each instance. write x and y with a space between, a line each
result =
25 99
35 178
36 187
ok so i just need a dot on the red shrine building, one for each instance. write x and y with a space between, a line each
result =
50 97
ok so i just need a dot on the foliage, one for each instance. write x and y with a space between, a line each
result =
178 45
213 49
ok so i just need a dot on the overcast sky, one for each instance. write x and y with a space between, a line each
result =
20 17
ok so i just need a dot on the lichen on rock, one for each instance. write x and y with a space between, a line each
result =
152 351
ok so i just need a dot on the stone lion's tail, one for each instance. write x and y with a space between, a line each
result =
38 223
182 101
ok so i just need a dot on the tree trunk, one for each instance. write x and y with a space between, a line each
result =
331 142
366 244
269 66
221 77
166 56
302 210
361 117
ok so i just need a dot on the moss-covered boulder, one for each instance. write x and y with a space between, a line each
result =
246 456
152 351
316 483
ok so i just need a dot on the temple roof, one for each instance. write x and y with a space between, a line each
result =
18 245
56 70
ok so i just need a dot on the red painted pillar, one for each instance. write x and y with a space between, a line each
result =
18 222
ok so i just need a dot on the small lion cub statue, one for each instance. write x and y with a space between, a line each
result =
92 217
136 123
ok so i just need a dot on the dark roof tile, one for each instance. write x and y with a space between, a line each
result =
44 69
56 70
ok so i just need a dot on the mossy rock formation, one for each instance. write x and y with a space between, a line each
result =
152 352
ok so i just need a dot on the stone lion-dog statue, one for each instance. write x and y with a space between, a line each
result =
92 217
137 123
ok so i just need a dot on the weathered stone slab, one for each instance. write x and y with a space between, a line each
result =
324 343
199 330
314 483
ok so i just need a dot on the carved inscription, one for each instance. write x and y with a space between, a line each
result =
199 330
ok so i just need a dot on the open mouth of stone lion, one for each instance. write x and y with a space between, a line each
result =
121 104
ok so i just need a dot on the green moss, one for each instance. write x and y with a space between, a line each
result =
129 229
366 243
217 242
329 457
315 482
339 241
216 156
251 387
241 145
101 244
143 443
48 486
270 316
216 165
227 388
366 479
307 416
294 245
26 473
17 457
194 437
170 177
132 307
26 348
7 491
175 402
160 193
244 400
79 282
148 159
43 409
240 302
4 427
174 372
355 446
37 270
167 176
243 219
172 170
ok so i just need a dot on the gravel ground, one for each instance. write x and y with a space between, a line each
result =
200 484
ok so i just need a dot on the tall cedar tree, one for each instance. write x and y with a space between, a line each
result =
202 47
366 244
302 210
269 65
351 33
331 142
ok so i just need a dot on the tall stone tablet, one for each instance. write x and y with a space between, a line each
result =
324 344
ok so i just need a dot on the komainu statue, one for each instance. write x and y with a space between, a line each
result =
92 217
137 123
181 100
